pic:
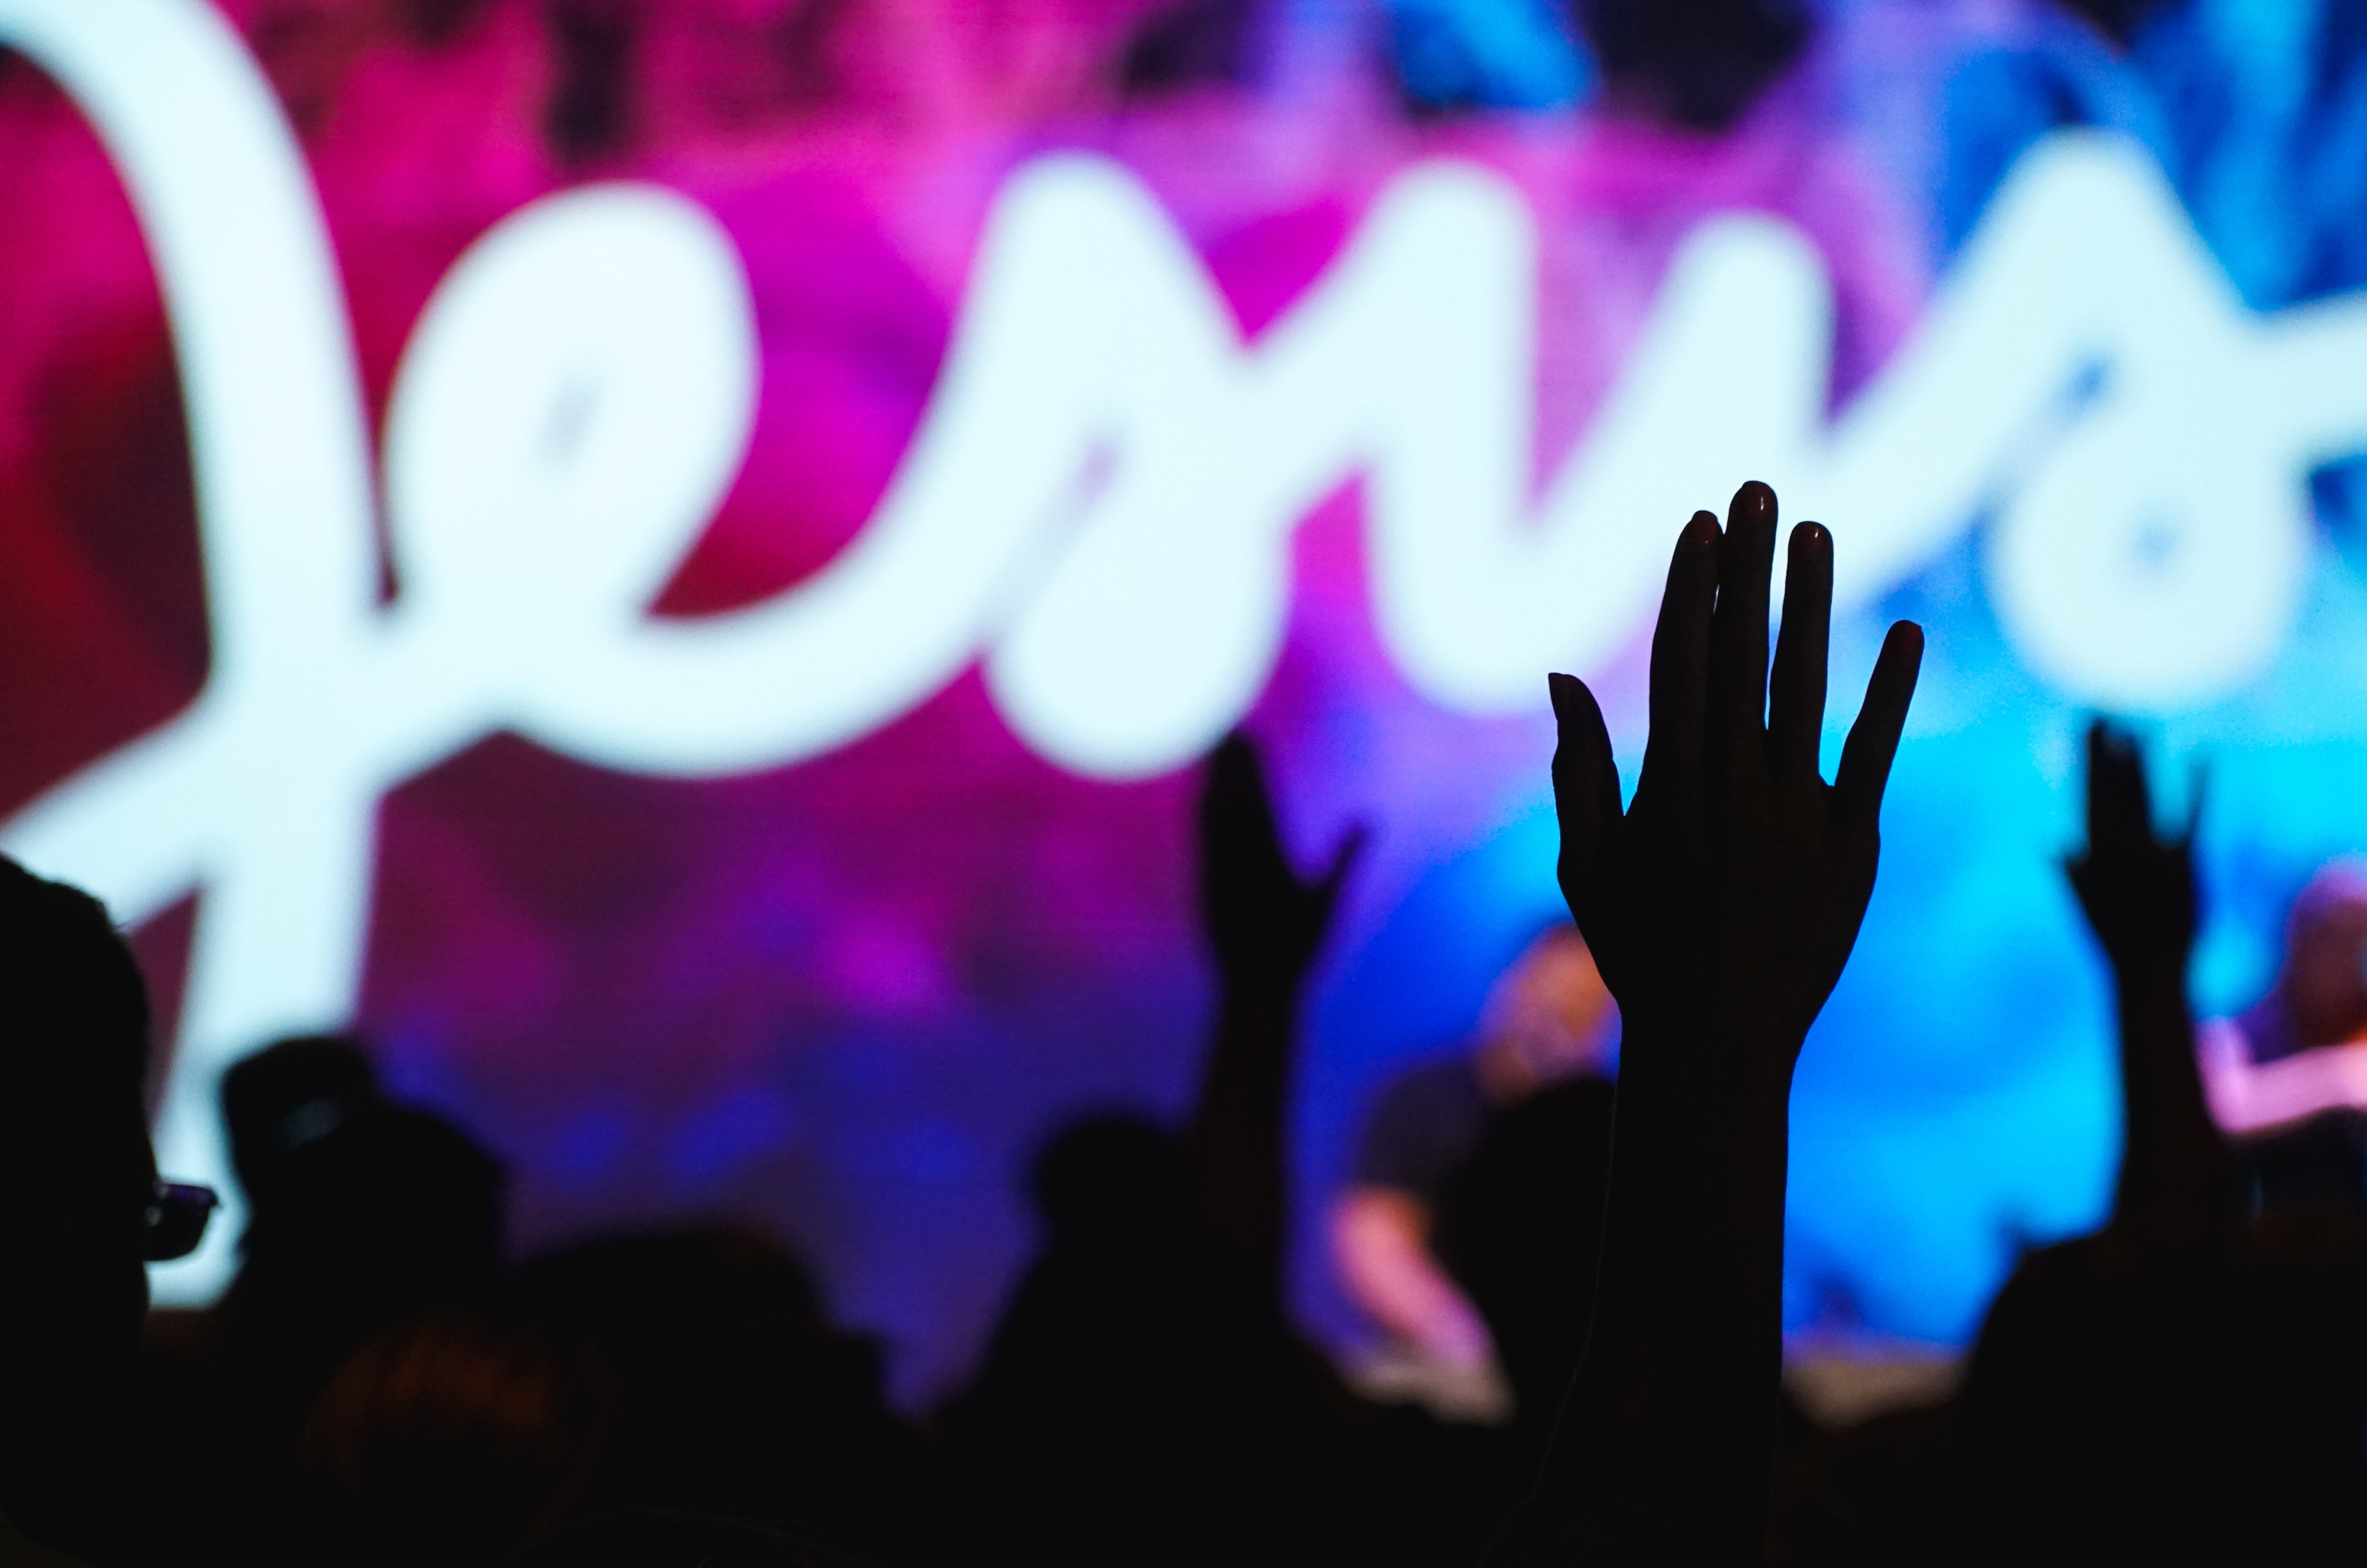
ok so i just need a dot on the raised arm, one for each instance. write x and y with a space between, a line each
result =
1721 907
2177 1179
1381 1238
2248 1097
1265 924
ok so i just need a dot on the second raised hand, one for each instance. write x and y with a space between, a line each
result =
1723 903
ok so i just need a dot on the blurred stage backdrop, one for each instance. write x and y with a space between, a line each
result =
671 560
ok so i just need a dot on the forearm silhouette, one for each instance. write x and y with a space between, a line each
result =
1265 924
1721 906
2177 1183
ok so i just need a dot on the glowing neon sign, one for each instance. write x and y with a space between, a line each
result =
578 396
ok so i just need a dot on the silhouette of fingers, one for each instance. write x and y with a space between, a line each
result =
1681 654
1796 697
1343 862
2136 884
2120 806
1262 918
1873 739
1585 778
1739 642
1235 813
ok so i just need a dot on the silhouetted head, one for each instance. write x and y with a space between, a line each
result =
1550 1017
396 1198
2325 978
735 1391
653 1288
2126 1402
286 1097
1104 1178
393 1211
456 1437
75 1164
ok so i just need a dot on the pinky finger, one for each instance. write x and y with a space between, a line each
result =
1873 739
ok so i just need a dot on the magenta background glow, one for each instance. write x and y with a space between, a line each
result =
847 997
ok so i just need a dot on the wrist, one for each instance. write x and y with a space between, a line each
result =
1691 1100
1254 990
2145 968
1708 1055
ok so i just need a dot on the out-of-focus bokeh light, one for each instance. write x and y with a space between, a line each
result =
670 561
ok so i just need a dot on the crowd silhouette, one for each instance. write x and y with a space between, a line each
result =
382 1386
1594 1259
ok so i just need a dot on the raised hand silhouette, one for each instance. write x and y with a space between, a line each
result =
2136 886
1725 900
2179 1384
1721 906
1145 1399
2177 1183
1265 923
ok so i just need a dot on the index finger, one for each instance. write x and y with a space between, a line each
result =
2120 805
1680 654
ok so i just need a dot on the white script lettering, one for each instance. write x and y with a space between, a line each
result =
579 395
